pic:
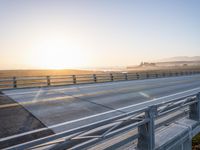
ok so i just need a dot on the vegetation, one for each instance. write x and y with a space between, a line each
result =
17 73
196 142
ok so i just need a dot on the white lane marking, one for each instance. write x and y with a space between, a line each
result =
96 115
145 94
86 86
36 96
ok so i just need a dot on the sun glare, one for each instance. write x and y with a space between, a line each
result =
57 54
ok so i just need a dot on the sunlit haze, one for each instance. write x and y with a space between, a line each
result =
58 34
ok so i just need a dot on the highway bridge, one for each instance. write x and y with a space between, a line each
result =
148 114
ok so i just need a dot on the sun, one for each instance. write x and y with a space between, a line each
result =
58 54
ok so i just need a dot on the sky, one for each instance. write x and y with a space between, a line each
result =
61 34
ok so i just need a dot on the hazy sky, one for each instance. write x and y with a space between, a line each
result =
90 33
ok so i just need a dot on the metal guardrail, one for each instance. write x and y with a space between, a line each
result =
143 121
42 81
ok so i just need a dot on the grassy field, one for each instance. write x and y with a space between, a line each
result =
17 73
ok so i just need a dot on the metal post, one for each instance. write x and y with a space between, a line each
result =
48 81
194 109
14 82
163 74
137 76
147 75
126 76
156 75
111 77
95 78
146 140
74 79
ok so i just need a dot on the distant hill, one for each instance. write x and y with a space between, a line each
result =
180 58
173 62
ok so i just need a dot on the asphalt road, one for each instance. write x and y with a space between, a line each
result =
66 107
17 120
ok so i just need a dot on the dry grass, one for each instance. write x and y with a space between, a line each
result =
17 73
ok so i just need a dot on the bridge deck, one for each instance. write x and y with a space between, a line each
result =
81 104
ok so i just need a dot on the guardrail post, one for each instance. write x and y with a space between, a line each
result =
48 81
111 77
147 75
137 76
74 79
163 74
126 76
156 75
194 109
14 82
146 140
95 78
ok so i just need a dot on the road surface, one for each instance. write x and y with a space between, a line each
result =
66 107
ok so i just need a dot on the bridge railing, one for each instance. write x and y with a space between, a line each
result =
143 122
56 80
